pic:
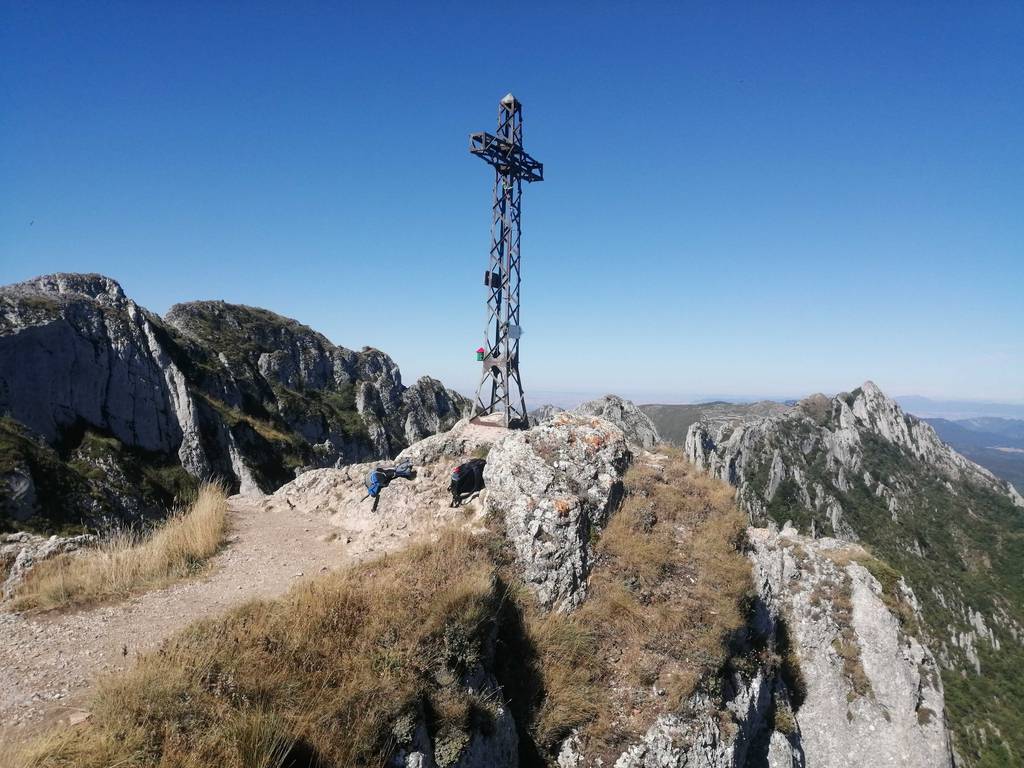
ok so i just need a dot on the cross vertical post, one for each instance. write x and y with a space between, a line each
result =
501 386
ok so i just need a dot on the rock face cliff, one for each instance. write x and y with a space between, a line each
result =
869 692
553 486
857 468
111 411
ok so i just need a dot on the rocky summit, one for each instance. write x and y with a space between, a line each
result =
524 628
635 424
554 486
857 468
822 584
111 412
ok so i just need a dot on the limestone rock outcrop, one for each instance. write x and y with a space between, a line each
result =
857 468
699 740
544 412
495 745
552 485
841 684
408 508
351 406
872 691
74 349
20 552
212 390
637 426
634 423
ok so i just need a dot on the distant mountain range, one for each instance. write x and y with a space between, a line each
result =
994 442
997 444
926 408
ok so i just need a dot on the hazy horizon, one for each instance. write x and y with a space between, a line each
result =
912 403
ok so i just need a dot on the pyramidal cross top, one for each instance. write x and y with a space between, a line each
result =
501 388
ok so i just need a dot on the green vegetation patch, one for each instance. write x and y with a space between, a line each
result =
787 505
59 490
88 477
333 409
971 544
241 333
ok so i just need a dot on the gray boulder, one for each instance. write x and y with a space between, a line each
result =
544 412
20 552
634 423
551 485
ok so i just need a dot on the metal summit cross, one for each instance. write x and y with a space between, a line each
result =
501 388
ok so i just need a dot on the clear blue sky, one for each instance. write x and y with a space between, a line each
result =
765 198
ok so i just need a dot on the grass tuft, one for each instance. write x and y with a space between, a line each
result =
126 563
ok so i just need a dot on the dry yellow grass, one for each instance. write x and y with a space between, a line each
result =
549 672
126 563
668 592
336 672
320 676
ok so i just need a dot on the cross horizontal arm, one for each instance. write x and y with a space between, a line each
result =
505 156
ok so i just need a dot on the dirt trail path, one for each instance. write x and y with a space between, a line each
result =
49 662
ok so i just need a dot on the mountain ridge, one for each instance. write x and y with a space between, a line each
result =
857 467
112 411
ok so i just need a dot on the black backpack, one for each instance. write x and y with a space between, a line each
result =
468 477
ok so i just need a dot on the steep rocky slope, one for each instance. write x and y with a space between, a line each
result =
534 633
829 677
869 692
110 411
857 468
